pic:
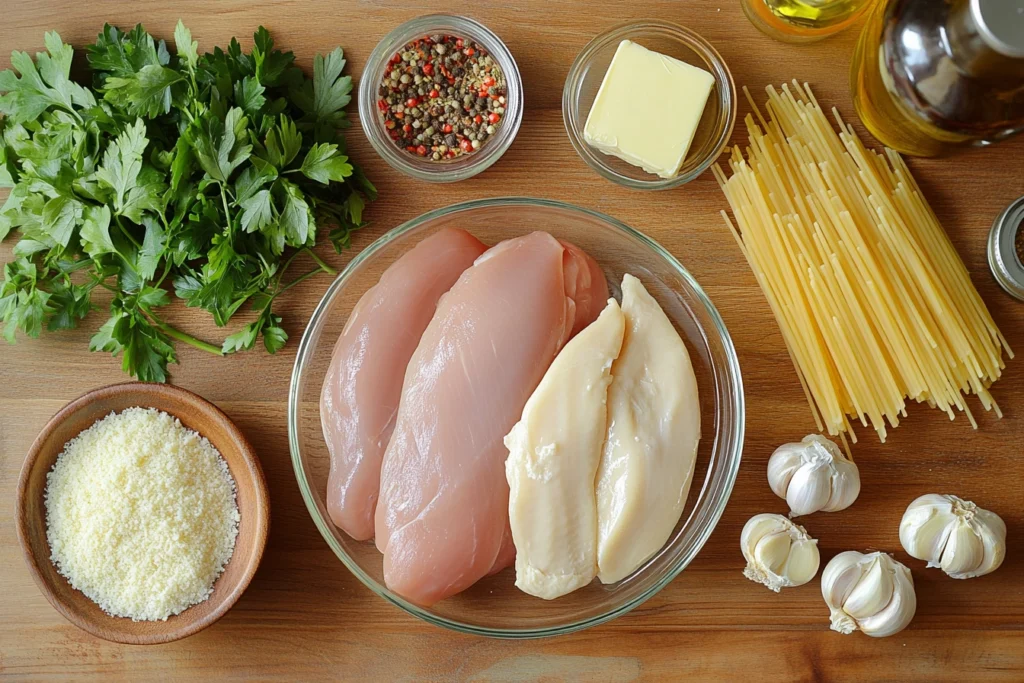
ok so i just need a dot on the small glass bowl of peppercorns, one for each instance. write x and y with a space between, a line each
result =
441 98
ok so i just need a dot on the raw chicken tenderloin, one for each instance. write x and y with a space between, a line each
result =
442 519
360 393
653 430
554 451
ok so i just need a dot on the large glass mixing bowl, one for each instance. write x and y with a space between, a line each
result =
494 606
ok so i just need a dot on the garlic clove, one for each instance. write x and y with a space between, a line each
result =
953 534
756 528
809 489
895 616
993 536
802 562
872 593
964 551
926 534
779 554
845 486
841 576
782 466
772 552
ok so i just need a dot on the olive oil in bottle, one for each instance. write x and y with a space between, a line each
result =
803 21
930 75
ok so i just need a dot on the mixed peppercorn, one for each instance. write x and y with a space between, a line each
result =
442 96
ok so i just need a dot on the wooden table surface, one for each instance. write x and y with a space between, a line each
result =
305 617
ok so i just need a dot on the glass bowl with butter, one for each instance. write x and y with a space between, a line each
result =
649 105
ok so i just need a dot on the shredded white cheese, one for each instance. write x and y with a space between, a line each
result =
141 514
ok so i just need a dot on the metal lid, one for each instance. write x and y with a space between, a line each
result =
1001 25
1003 256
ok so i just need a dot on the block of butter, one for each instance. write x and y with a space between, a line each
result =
647 109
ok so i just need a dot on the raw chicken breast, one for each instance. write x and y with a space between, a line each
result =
653 430
442 519
360 394
554 451
589 287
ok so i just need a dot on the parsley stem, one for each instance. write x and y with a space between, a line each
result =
175 333
320 262
127 234
297 280
224 198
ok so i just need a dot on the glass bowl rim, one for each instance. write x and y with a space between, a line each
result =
728 100
730 459
444 172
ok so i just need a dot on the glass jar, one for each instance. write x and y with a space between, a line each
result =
467 165
803 21
930 75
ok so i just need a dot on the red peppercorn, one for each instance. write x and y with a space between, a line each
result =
447 128
434 94
466 145
458 43
396 58
421 150
399 114
389 124
428 69
483 92
411 148
407 128
489 81
493 117
478 119
470 52
382 105
411 102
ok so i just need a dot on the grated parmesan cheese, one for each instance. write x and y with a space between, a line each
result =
141 514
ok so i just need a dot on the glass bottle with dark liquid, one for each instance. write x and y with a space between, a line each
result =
930 75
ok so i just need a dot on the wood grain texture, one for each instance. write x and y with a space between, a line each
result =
305 617
194 413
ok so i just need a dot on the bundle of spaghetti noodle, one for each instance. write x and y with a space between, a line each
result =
874 304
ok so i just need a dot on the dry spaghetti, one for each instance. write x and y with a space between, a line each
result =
874 304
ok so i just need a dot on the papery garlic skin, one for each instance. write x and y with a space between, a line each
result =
813 475
870 592
779 554
954 535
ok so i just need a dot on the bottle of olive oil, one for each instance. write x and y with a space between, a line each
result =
803 21
930 75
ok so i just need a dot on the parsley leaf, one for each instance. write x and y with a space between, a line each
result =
323 164
219 145
188 50
324 98
28 97
122 162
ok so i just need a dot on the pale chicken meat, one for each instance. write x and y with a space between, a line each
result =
554 452
442 518
651 446
360 394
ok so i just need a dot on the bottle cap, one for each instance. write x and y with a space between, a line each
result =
1001 25
1005 249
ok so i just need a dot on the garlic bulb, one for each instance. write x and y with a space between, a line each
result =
779 553
813 475
954 534
873 593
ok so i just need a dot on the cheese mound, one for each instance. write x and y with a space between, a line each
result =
141 514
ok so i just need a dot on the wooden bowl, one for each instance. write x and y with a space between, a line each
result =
194 413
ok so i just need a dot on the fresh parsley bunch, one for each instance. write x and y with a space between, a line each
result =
207 172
